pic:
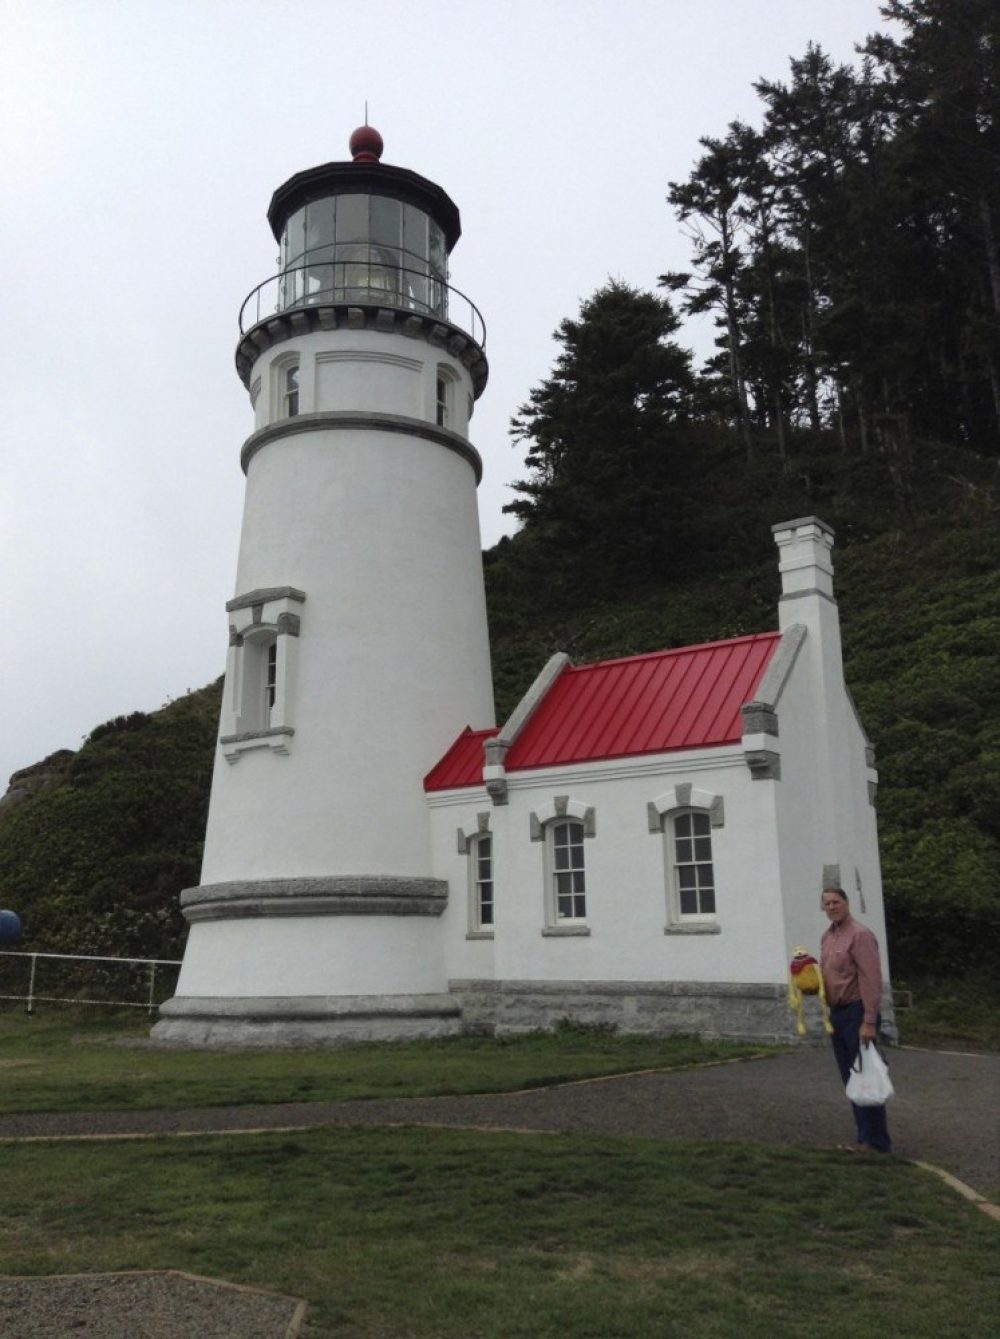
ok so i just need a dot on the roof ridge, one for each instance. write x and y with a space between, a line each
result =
673 651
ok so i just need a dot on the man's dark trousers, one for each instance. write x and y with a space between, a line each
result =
870 1121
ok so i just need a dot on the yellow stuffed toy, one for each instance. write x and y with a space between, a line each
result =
805 978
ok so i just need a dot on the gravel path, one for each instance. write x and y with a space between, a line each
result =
945 1112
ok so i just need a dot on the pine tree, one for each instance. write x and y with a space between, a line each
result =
604 433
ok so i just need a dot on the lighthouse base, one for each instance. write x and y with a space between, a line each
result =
311 1020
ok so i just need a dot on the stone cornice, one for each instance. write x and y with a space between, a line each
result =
265 596
297 321
334 895
355 419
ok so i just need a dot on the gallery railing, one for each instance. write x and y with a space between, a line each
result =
371 283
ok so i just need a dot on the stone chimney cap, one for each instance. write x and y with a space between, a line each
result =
801 521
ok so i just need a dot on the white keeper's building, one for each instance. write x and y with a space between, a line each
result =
642 843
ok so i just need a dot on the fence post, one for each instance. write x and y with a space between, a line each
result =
152 984
31 984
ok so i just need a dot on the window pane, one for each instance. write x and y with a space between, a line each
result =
352 218
686 877
689 902
561 854
708 901
486 914
684 848
319 224
415 235
295 238
319 283
703 848
701 824
564 884
387 221
682 825
439 257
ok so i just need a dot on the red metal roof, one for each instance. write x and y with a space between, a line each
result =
668 700
462 765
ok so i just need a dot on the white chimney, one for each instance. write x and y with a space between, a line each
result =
805 563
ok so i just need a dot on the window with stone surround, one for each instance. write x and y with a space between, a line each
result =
290 391
567 872
686 820
285 387
258 705
691 867
563 826
481 880
475 842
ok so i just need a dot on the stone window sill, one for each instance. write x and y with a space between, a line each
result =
479 934
565 931
277 739
696 928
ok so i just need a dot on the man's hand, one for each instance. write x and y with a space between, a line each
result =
867 1033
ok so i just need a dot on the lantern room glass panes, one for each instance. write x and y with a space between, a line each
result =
364 248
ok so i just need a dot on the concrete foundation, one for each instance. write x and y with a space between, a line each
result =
752 1011
272 1023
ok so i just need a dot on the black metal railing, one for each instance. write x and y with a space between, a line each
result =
372 283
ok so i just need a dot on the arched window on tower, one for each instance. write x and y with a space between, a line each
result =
290 391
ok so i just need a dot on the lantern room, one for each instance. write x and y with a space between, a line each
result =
365 237
364 232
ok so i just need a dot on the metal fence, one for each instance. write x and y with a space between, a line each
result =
77 984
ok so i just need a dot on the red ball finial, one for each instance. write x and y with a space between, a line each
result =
366 145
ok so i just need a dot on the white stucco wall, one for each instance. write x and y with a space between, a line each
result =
626 873
824 817
313 955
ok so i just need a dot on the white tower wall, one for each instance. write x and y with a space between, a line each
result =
379 530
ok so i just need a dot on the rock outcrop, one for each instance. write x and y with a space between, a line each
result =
30 780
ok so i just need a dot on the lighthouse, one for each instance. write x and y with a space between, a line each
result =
357 627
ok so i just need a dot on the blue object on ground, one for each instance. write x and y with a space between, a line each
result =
10 927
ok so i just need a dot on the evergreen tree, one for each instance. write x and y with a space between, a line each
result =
604 434
708 202
945 73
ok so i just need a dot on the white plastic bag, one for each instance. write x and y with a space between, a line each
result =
869 1084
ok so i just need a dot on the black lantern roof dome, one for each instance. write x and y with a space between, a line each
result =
365 173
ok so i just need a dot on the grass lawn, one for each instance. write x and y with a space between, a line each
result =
952 1013
429 1234
58 1061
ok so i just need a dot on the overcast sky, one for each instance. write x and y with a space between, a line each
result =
140 142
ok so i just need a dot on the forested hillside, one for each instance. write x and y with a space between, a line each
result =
846 246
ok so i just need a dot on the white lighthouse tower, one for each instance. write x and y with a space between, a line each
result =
357 630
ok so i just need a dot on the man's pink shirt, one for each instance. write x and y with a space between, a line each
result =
852 970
